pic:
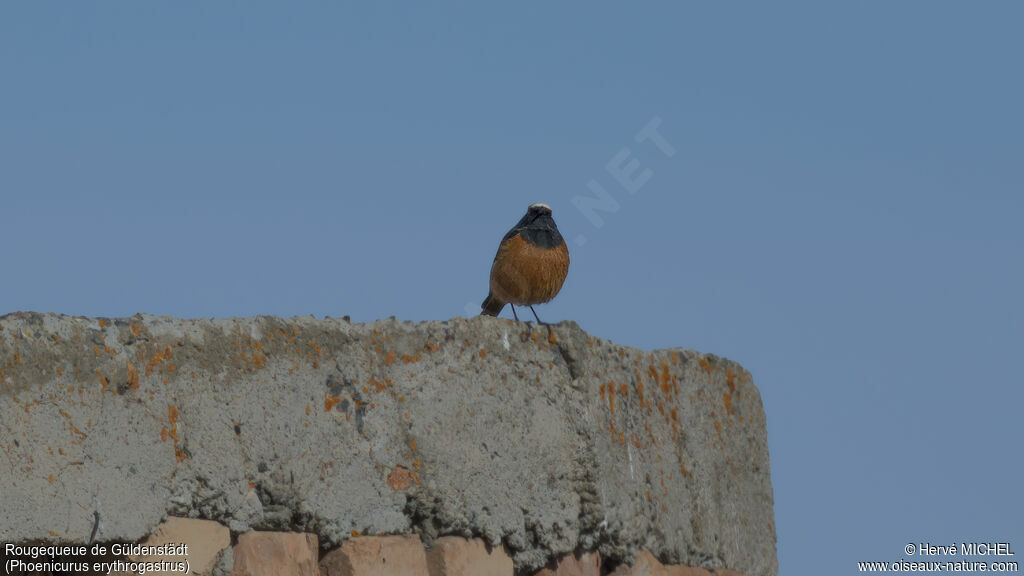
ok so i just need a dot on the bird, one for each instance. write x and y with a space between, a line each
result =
530 266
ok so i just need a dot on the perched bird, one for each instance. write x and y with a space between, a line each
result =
530 265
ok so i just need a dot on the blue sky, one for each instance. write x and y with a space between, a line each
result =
842 213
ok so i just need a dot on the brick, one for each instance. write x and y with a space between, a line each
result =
377 556
644 564
206 540
454 556
588 564
276 554
673 570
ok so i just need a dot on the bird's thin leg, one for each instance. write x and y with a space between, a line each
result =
535 315
551 330
514 315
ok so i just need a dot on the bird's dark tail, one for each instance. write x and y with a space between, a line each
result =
491 306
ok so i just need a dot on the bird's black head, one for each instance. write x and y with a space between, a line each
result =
538 213
538 227
539 209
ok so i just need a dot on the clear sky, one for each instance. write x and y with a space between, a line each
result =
842 211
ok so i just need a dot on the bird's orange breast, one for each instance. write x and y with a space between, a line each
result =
524 273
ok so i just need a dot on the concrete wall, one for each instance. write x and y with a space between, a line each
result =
543 442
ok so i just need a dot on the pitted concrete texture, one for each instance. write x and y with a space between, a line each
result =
544 442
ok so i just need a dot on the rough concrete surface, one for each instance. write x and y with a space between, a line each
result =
544 442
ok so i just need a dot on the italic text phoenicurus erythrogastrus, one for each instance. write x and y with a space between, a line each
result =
530 265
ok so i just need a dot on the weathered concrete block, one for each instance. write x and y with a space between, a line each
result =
645 564
377 556
276 554
454 556
545 442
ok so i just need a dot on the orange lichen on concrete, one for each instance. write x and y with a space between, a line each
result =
705 365
730 379
378 386
406 358
650 433
727 398
330 402
132 376
611 396
639 386
102 323
135 328
682 468
483 353
313 354
157 359
398 479
256 359
390 358
674 423
662 378
172 432
104 382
